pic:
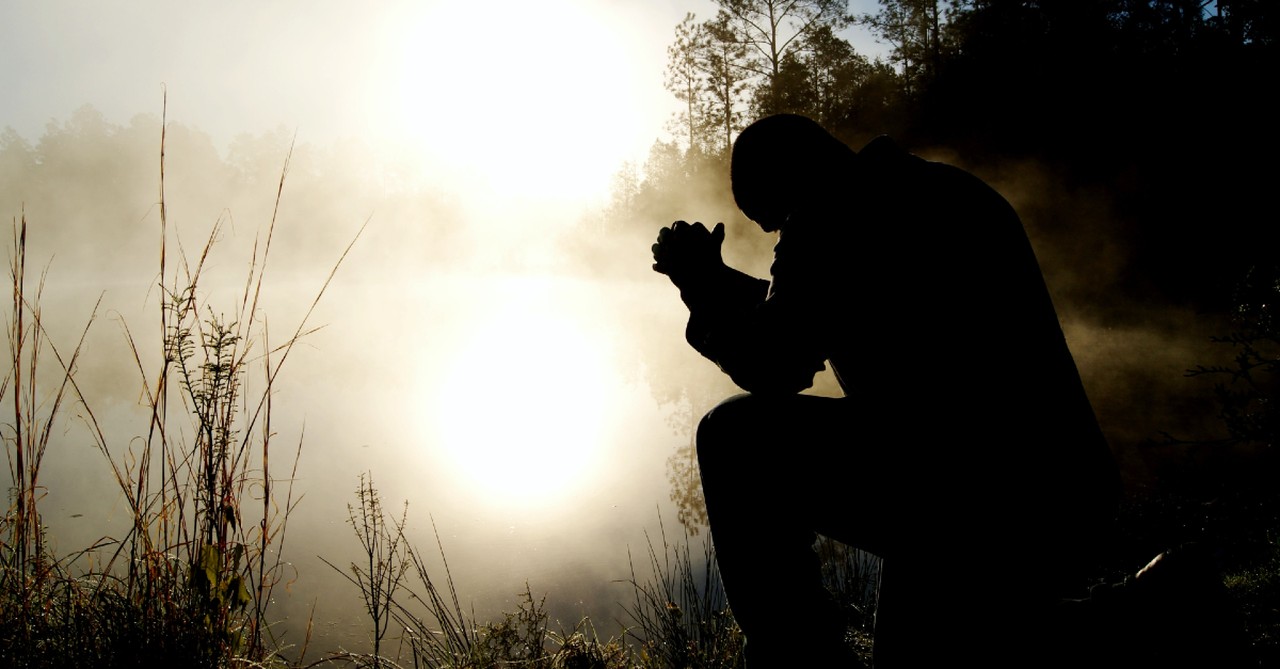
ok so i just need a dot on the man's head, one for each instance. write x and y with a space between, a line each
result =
781 163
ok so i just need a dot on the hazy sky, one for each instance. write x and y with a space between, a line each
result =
575 86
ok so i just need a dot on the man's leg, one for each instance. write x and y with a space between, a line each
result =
774 471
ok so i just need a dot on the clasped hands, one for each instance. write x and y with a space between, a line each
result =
685 252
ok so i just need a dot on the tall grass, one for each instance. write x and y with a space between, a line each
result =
681 616
35 594
190 581
435 630
678 616
384 566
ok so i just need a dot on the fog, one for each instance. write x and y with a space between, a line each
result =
466 366
490 350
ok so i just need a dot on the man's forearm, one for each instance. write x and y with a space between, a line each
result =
721 288
720 302
730 324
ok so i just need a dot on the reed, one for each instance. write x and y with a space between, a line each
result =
207 489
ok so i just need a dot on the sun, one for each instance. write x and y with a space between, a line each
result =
528 100
522 409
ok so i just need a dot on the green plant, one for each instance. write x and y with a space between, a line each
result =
36 595
437 632
386 559
1246 390
853 578
1255 587
582 648
681 617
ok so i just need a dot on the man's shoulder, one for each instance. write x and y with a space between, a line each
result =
884 160
883 147
883 163
881 143
884 153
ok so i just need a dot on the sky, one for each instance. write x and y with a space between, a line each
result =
573 86
440 80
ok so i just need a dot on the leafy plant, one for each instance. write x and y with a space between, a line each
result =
386 559
1247 388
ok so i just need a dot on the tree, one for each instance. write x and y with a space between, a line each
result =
837 74
914 31
767 58
771 31
684 76
1249 22
726 80
826 80
705 73
1248 390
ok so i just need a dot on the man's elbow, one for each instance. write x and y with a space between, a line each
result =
765 381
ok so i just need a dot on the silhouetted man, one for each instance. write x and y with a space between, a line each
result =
964 452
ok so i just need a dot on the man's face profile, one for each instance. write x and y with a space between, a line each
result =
770 200
783 164
771 221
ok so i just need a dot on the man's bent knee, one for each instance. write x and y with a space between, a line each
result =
731 427
736 427
748 428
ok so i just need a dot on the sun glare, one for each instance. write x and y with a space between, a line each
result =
523 405
532 100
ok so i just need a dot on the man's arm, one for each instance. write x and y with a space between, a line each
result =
733 319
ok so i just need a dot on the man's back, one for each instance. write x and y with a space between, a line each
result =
965 454
942 326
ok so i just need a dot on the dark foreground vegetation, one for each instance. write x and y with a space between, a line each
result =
1148 118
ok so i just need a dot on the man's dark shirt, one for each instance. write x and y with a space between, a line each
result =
919 287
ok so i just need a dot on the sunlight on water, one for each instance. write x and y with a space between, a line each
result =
522 408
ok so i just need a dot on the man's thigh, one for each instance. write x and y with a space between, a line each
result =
808 459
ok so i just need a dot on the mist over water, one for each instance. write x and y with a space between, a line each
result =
467 365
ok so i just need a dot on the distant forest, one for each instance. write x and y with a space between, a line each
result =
1157 111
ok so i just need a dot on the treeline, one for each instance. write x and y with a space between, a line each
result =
1157 106
90 186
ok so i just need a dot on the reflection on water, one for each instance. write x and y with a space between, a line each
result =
520 406
510 412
